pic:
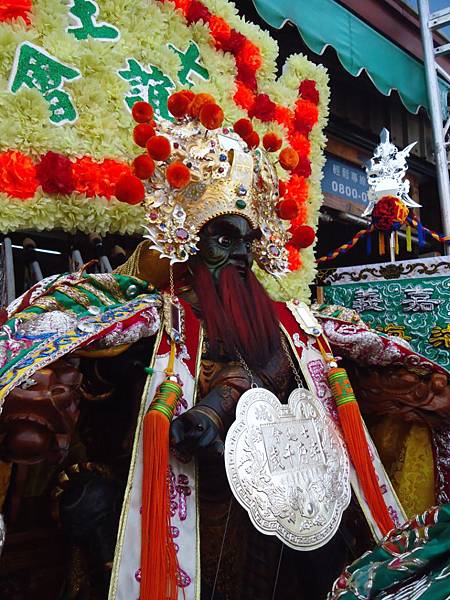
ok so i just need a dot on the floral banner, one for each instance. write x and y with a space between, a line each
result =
71 72
409 299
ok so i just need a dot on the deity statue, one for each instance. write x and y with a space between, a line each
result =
267 494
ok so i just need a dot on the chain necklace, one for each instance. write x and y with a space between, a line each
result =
297 376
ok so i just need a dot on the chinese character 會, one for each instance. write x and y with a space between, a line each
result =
418 299
150 85
345 173
354 177
83 14
34 68
395 330
364 300
189 64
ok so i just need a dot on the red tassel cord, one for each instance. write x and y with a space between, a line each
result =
159 565
356 442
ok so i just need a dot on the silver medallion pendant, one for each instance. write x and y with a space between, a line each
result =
288 466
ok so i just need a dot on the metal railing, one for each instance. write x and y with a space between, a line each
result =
430 22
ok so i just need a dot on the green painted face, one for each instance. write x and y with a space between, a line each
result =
227 240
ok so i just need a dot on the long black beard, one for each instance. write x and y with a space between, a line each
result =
238 314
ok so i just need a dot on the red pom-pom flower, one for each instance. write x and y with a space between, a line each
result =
54 173
287 209
178 175
130 189
142 112
271 142
302 236
178 104
252 140
143 166
211 116
142 133
158 147
288 158
198 102
243 127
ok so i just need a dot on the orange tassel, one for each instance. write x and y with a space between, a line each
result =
159 565
358 449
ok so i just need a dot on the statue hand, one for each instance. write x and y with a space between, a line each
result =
196 431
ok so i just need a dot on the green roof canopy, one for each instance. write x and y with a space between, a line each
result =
323 23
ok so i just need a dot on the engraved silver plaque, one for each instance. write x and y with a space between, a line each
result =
288 466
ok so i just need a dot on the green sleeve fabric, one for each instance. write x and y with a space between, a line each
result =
411 562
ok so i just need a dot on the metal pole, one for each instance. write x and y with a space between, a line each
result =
440 151
9 269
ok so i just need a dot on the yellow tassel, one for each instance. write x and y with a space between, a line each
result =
396 243
171 363
408 239
381 248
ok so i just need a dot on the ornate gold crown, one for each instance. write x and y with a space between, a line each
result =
222 176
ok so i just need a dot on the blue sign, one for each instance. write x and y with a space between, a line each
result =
344 186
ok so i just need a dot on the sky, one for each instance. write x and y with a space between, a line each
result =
434 6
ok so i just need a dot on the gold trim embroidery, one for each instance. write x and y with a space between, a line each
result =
46 303
98 294
109 282
75 294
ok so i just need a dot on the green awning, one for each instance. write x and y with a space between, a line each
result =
323 23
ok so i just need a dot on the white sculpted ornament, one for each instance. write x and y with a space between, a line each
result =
386 172
288 467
